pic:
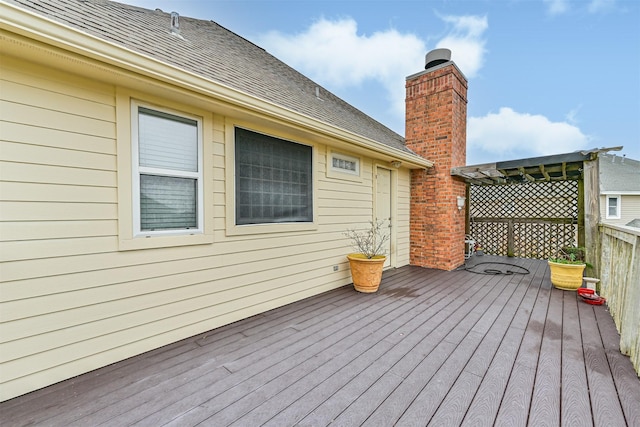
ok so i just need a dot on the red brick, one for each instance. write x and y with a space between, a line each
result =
436 111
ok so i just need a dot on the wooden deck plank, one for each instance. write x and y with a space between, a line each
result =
225 393
624 376
339 354
142 394
545 402
230 345
405 338
118 381
605 404
493 324
575 406
481 360
387 412
398 363
260 367
495 365
408 352
483 408
454 407
379 339
515 405
445 348
424 405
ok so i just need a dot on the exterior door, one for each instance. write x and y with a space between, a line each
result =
383 207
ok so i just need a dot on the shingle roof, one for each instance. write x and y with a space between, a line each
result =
215 53
618 174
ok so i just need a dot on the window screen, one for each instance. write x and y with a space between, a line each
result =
273 179
168 171
167 203
613 207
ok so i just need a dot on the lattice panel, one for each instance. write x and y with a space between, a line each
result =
492 236
529 220
550 237
557 199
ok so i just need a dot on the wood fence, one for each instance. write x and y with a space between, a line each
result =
620 284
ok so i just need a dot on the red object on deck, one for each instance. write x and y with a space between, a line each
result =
590 296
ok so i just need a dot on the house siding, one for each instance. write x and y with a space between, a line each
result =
72 301
629 209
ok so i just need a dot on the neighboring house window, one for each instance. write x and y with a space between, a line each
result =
167 173
613 207
274 182
345 164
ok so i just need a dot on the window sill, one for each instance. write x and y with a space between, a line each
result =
155 242
283 227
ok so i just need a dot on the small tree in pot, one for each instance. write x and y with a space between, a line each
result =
367 262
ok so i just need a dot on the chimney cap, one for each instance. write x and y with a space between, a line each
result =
437 57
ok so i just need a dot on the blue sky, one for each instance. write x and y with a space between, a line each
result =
545 76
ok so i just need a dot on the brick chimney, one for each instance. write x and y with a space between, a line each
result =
436 129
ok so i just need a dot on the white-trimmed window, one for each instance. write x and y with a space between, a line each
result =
344 166
613 206
167 181
274 180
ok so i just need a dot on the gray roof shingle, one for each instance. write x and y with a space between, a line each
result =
618 174
215 53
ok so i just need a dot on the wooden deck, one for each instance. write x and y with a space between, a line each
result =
430 348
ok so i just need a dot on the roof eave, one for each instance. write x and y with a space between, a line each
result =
42 29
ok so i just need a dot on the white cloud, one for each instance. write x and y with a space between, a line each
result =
557 7
466 42
333 53
510 135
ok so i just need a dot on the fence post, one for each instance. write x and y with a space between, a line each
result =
510 237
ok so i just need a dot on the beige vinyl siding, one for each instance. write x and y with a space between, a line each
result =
71 301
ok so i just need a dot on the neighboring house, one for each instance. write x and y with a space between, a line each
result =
619 190
163 176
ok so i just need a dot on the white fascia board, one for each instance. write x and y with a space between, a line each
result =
620 193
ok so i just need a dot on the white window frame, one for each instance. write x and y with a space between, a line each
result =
339 173
256 229
138 170
618 198
310 198
123 179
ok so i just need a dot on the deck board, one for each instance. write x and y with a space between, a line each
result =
605 410
430 348
575 390
545 409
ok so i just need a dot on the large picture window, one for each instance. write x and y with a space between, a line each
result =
274 182
167 179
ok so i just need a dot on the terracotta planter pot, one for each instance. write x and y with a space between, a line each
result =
567 277
366 273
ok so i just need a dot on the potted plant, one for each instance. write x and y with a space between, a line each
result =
567 268
367 262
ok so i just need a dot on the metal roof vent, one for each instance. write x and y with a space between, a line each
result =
437 57
175 23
